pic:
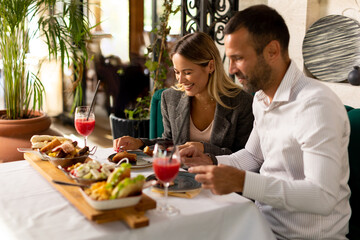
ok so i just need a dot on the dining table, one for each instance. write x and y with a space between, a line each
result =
32 208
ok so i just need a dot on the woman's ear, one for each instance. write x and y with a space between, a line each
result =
211 66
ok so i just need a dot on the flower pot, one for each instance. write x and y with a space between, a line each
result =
17 133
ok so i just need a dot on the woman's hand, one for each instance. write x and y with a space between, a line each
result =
127 143
192 156
198 145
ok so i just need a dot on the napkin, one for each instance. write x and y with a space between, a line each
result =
187 194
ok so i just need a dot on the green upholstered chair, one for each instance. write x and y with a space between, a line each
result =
156 123
354 180
348 108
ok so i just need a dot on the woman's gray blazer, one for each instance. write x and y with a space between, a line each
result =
231 126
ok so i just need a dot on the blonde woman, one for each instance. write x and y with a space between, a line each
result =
206 109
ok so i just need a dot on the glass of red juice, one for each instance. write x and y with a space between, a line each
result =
166 164
84 121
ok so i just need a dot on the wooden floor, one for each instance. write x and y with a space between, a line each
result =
101 136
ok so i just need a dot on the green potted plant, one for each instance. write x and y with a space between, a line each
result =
141 109
136 121
158 62
64 27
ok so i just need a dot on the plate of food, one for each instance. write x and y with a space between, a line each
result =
89 172
58 150
183 182
137 158
118 191
111 204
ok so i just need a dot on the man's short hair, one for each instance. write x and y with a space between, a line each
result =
264 25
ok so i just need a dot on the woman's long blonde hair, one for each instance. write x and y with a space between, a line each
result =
200 49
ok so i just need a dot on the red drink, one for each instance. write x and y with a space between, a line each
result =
84 127
164 170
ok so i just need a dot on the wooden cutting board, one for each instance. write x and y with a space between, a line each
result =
134 216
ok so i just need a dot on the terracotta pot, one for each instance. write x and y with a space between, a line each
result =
17 133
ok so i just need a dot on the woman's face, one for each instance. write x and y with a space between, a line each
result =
193 77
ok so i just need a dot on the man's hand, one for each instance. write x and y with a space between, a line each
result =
220 179
192 156
198 145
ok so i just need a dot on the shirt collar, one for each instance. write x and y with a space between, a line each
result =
283 92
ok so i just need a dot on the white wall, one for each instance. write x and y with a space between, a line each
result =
294 13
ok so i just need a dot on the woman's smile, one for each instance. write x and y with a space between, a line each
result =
188 86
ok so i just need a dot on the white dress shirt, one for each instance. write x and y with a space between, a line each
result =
299 147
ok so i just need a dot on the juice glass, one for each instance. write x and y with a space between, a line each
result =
84 121
166 164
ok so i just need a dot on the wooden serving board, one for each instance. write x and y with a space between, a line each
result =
134 216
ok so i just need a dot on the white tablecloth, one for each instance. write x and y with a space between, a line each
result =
31 208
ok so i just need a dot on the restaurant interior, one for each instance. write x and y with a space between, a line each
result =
118 51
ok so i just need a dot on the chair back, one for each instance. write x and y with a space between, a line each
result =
126 127
354 180
156 123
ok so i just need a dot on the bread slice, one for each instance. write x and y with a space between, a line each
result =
54 143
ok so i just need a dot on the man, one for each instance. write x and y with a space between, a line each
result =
295 163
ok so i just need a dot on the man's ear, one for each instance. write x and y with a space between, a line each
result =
272 51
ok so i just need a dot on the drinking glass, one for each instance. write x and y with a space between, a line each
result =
166 169
84 121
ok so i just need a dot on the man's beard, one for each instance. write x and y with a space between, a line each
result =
259 77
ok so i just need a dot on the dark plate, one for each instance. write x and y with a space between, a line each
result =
141 161
184 181
331 48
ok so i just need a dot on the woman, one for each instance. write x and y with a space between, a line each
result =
206 108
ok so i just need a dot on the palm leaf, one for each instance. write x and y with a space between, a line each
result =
64 32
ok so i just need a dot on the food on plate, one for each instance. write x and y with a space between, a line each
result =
125 188
98 191
128 187
124 154
119 174
66 147
148 151
39 141
55 142
58 147
118 185
92 170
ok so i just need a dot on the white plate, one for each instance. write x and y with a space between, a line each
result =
111 204
143 160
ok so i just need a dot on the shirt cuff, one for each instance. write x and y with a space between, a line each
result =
254 186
